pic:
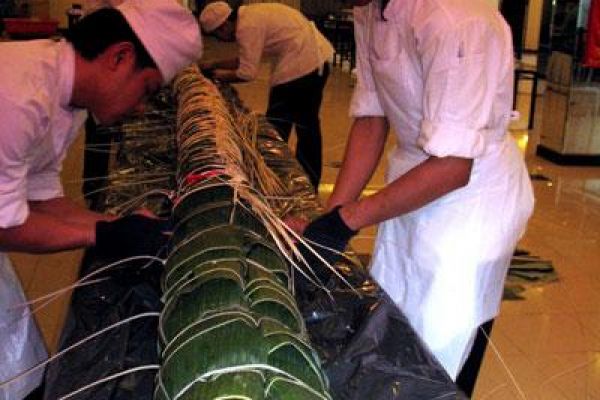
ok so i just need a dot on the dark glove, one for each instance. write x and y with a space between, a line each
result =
329 231
129 236
132 235
208 72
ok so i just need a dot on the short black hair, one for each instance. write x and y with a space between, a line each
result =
233 16
384 4
94 33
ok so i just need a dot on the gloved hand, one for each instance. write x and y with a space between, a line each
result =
331 235
132 235
208 72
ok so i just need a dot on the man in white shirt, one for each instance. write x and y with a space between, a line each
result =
437 74
113 60
300 67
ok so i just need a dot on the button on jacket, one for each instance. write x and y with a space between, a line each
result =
441 71
282 33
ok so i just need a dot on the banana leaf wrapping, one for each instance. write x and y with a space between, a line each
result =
230 327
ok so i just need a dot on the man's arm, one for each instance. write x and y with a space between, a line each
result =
364 148
45 233
223 70
53 225
69 211
426 182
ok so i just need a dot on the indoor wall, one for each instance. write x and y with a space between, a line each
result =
533 24
39 8
56 9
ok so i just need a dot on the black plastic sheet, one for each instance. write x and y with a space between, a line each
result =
369 349
94 308
367 345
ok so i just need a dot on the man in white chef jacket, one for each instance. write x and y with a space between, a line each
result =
113 60
438 74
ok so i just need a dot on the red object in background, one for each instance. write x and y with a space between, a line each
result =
25 28
592 47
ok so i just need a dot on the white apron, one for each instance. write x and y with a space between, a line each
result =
21 346
443 265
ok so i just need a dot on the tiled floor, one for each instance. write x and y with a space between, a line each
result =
546 346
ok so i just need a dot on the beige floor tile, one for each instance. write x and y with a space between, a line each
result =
543 298
584 294
56 272
515 377
567 372
538 334
591 323
502 344
25 266
593 390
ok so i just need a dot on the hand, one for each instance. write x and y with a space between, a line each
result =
328 235
297 224
132 235
144 212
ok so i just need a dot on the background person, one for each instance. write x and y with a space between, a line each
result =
300 67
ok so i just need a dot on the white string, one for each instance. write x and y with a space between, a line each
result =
109 378
510 375
54 294
137 183
80 282
79 343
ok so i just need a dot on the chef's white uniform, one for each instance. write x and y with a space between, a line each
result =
441 71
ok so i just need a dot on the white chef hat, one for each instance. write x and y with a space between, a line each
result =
213 15
168 31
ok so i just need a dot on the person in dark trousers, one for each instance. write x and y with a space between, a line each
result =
458 194
300 67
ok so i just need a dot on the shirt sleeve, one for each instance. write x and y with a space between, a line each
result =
43 181
16 137
365 100
251 41
462 66
45 185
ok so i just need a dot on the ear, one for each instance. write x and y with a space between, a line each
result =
120 54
